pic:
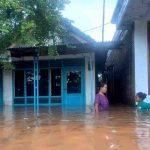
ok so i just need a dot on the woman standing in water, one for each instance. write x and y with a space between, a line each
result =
101 102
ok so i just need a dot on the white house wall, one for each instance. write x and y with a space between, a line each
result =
90 79
7 88
141 56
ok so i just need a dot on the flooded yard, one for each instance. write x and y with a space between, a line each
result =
75 128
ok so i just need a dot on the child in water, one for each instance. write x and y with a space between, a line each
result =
101 102
143 101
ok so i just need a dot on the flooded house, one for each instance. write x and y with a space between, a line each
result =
41 79
69 78
73 76
129 68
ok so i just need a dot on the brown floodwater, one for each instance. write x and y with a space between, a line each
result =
74 128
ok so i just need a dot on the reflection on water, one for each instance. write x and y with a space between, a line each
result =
75 128
142 130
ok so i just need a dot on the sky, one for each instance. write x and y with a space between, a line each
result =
87 14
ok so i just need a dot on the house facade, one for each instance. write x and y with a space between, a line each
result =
39 79
131 64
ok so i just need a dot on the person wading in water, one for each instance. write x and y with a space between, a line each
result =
143 101
101 101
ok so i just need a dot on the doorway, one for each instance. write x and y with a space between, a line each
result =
56 86
73 86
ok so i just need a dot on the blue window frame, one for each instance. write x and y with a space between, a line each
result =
50 81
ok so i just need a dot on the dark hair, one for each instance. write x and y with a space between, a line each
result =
102 84
141 95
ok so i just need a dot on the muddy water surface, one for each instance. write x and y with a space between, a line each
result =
74 128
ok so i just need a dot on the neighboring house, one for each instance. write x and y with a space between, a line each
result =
39 79
75 35
130 66
66 79
71 78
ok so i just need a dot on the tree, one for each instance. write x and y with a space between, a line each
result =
30 22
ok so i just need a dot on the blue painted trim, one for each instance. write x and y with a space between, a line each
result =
31 97
55 104
36 69
49 85
63 84
39 97
34 86
64 79
37 80
56 96
62 97
36 83
25 87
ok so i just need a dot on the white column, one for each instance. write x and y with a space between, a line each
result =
7 88
141 56
90 79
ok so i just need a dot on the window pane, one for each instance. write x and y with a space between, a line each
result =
30 100
74 82
43 100
55 100
43 82
56 82
19 83
19 101
30 82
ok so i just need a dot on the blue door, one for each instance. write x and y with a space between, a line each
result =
73 86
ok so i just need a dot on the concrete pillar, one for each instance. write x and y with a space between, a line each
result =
90 79
7 88
141 56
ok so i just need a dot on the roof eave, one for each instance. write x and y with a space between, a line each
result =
116 11
119 12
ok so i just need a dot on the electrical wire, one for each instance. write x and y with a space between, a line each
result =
96 27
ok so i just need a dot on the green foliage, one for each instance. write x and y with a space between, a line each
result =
31 23
6 65
52 51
